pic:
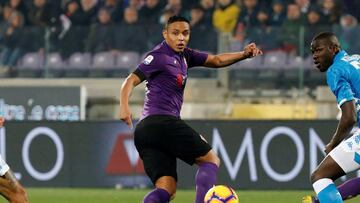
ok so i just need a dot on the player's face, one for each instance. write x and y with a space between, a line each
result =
322 54
177 35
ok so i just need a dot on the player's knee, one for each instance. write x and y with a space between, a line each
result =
315 176
214 158
173 195
217 160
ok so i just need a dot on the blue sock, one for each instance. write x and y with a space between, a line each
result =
327 191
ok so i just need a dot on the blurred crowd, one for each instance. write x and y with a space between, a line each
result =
93 26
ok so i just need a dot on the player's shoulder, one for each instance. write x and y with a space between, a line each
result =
155 57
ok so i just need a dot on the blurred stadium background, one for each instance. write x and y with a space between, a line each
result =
63 62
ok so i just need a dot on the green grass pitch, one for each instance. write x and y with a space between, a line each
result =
75 195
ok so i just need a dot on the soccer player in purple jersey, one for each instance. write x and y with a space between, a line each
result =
161 136
10 188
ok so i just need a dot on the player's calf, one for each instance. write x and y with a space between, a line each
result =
327 191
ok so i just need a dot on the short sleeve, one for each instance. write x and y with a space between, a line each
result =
195 58
339 85
150 65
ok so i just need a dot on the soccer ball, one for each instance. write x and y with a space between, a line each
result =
221 194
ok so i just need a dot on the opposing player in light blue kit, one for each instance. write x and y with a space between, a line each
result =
343 155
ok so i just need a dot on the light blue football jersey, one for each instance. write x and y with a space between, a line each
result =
343 78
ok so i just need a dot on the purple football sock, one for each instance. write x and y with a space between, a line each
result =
205 179
348 189
158 195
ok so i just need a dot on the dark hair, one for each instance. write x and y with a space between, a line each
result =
176 18
330 38
324 35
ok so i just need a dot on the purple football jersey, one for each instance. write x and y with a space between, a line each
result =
165 72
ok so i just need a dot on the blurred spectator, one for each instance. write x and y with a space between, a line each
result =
90 9
37 23
6 13
248 14
20 6
278 14
72 40
303 5
263 32
74 12
332 10
35 15
131 35
351 7
314 25
290 29
208 7
135 4
101 36
225 16
175 6
115 8
166 14
348 33
247 18
187 5
13 41
203 37
150 12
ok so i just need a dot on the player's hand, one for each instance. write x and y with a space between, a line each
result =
2 121
251 50
125 115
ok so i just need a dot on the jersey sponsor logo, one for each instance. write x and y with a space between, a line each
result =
148 59
180 80
124 158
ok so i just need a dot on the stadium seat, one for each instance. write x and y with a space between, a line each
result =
127 60
31 65
103 64
54 61
54 65
80 61
78 65
31 60
103 60
275 60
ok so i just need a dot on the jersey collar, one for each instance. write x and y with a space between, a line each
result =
170 49
339 55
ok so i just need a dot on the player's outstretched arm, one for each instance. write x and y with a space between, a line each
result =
2 121
346 123
226 59
126 89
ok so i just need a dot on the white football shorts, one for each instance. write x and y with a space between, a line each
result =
347 153
3 167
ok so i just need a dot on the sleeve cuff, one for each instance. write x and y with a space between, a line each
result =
140 74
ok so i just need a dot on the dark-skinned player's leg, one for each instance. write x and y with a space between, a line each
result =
11 189
349 189
322 179
206 175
